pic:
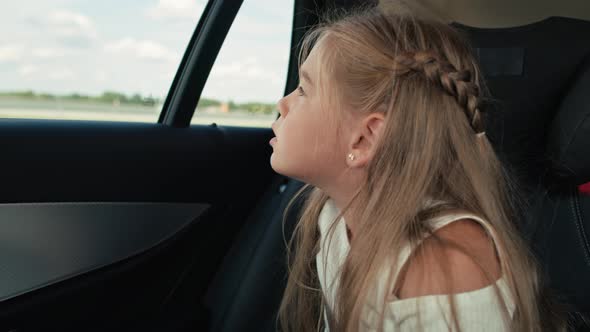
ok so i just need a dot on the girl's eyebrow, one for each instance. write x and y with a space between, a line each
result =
305 76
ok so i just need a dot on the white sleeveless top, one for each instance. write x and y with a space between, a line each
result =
477 310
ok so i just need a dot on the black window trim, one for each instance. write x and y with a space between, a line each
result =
197 62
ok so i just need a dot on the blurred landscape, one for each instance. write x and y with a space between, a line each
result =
115 106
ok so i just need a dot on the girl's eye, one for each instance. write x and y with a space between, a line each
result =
300 90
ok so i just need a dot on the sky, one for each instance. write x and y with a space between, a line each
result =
135 46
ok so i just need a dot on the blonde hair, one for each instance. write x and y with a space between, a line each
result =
421 73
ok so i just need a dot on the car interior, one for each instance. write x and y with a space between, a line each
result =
176 227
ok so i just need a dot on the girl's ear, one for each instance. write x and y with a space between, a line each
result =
364 140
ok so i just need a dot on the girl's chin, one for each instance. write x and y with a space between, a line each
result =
278 166
273 162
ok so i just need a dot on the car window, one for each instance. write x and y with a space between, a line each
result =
250 72
95 60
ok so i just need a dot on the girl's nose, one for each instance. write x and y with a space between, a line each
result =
283 106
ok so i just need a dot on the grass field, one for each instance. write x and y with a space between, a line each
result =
71 110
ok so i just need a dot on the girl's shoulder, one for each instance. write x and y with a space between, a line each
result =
460 256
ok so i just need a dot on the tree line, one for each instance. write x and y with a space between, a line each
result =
113 97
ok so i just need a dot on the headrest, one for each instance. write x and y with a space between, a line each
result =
528 70
568 144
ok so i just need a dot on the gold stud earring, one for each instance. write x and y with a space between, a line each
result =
351 156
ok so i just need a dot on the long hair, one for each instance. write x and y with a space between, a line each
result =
422 74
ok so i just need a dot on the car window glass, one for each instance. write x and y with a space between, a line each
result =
250 72
91 60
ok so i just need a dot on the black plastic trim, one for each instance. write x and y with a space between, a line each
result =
45 243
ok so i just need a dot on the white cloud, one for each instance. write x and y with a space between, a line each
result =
10 53
249 68
145 49
233 68
73 27
49 52
100 76
61 74
27 70
66 17
182 9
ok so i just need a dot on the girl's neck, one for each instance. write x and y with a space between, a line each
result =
342 190
348 216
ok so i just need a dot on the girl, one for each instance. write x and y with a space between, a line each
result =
408 224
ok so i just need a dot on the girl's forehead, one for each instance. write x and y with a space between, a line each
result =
317 63
312 59
319 50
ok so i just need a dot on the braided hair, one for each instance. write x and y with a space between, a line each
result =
457 83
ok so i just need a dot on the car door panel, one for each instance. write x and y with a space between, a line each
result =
128 200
